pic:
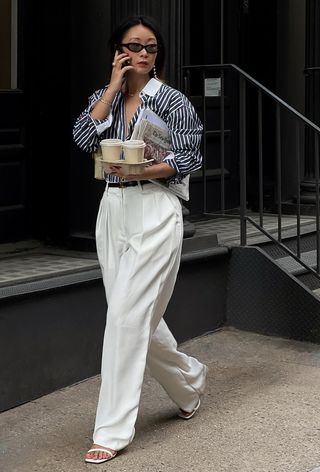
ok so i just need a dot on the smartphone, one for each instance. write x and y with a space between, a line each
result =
126 63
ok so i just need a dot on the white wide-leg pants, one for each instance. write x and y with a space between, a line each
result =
139 237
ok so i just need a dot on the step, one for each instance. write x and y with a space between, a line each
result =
317 292
305 276
309 280
202 247
294 267
308 242
40 270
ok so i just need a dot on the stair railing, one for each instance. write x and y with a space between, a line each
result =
300 122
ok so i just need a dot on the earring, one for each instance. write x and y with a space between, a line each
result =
155 72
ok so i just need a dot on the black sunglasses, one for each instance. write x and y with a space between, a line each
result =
137 47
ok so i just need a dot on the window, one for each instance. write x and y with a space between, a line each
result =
8 44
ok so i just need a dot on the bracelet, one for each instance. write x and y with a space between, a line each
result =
105 102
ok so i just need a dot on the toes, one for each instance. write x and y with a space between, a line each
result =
100 455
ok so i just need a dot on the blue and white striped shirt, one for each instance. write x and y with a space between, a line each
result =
172 106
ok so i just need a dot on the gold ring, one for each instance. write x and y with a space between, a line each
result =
113 64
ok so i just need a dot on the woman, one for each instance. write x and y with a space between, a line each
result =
139 237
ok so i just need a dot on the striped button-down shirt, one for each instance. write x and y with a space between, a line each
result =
185 127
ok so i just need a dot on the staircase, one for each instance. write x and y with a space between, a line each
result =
274 271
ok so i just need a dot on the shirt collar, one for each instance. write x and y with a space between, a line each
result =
152 87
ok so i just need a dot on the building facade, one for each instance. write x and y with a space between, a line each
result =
55 55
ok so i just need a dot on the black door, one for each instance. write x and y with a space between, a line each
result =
35 129
258 57
210 36
14 219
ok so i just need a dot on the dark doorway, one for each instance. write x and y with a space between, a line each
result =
258 57
34 125
14 167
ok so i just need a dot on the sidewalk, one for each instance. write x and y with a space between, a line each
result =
261 413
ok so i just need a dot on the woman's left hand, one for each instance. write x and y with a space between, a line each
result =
156 171
118 171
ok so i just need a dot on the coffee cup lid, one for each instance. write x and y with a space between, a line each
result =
110 142
134 143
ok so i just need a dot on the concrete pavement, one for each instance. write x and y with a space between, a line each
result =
261 413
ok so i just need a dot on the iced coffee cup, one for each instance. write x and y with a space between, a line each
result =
133 151
111 149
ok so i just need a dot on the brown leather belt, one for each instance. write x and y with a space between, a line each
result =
132 183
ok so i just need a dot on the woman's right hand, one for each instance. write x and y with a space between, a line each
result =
103 105
119 68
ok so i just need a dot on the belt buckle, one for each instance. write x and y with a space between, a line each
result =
122 183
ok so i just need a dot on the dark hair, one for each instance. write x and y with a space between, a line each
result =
120 31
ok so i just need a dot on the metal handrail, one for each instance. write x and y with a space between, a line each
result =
301 119
255 82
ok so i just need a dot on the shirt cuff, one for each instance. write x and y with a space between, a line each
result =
101 125
171 161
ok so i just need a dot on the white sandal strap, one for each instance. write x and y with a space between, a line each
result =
101 450
186 414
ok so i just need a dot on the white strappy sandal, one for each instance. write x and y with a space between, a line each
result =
187 416
111 455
